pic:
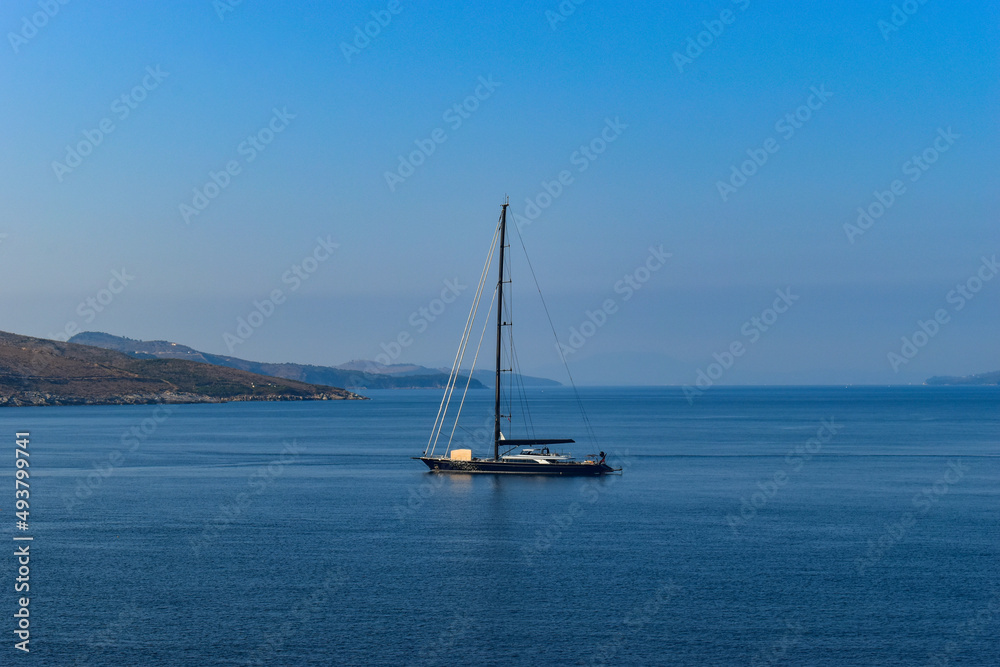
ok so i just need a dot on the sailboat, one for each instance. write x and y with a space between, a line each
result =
526 456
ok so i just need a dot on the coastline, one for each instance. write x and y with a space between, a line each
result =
40 399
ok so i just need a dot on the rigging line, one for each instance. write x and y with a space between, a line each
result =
519 378
469 323
508 338
461 356
576 393
517 388
456 366
516 382
469 380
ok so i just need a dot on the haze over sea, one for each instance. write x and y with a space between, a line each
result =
793 525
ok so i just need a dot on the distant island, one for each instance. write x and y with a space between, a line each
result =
35 371
980 378
356 375
359 375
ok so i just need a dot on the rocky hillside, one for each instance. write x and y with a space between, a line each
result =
365 375
35 371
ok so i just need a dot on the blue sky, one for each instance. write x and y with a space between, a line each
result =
336 124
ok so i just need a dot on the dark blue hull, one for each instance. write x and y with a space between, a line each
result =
568 468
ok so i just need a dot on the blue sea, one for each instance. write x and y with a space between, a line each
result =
750 526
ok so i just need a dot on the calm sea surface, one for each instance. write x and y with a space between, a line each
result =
756 526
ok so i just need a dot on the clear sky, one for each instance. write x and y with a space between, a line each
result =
205 150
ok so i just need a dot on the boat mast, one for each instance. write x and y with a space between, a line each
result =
496 407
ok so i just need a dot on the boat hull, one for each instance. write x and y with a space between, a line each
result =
489 466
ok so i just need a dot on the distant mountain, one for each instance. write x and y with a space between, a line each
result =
981 378
355 375
399 370
35 371
486 377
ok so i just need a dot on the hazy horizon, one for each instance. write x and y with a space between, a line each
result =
550 373
799 196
